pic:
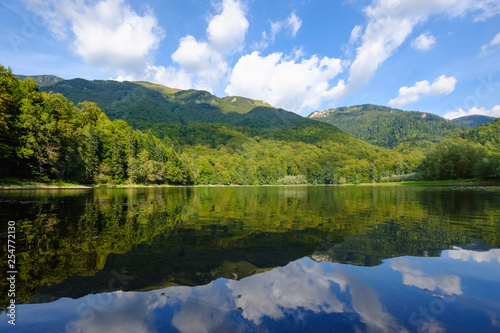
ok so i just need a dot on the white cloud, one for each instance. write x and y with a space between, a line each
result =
449 284
355 34
294 286
168 76
424 42
292 24
111 312
284 82
441 86
495 43
53 16
226 31
465 255
306 285
204 62
493 112
390 22
200 59
486 8
107 34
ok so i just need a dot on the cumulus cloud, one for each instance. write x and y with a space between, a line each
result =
441 86
284 82
227 30
106 34
424 42
493 112
390 22
466 255
114 313
449 284
204 61
294 286
307 286
109 34
495 43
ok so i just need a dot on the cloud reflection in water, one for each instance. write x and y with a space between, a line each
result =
302 294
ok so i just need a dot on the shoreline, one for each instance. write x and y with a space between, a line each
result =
89 187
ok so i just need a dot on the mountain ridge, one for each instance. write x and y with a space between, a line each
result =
145 105
41 80
389 127
473 120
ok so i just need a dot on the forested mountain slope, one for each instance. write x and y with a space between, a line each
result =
263 145
45 137
176 113
473 153
487 135
388 127
474 120
139 102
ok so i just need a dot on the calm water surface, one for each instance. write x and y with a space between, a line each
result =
254 259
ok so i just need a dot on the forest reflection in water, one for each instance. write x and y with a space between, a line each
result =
267 255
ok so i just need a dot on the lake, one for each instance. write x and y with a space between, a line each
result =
254 259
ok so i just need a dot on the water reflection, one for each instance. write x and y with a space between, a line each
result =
407 294
256 259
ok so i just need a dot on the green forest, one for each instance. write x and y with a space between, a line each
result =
108 132
45 137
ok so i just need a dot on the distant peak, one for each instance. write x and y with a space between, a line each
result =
41 80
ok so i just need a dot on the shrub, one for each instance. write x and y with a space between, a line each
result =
292 180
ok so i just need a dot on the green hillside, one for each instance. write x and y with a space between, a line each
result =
168 111
487 135
253 143
157 103
226 104
388 127
119 100
473 121
473 153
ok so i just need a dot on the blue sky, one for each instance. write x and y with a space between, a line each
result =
438 56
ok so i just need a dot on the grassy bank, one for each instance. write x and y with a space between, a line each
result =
472 181
13 183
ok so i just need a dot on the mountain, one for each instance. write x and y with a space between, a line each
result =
487 135
157 103
388 127
474 153
41 80
177 113
236 140
226 104
473 121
